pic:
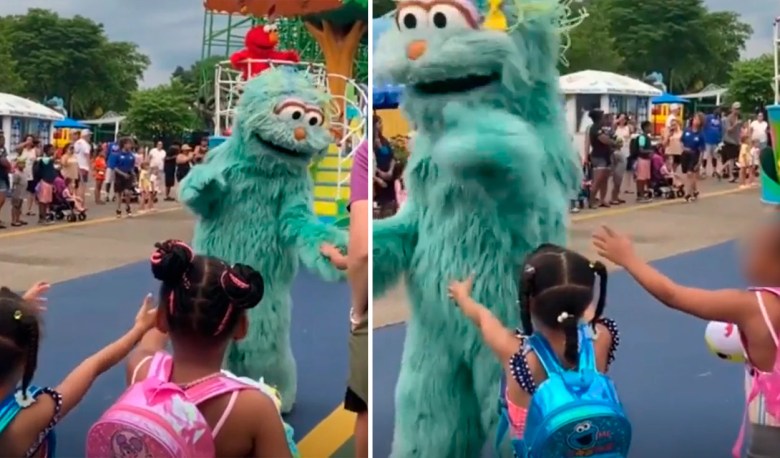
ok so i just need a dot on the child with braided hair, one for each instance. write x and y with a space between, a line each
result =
203 304
28 414
557 293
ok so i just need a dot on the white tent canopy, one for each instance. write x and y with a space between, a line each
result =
108 118
605 83
13 105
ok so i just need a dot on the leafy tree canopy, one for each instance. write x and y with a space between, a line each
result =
689 45
751 82
72 58
162 111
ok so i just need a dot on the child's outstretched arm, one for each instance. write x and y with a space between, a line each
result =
34 419
728 305
500 339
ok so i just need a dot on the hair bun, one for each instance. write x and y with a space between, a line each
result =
171 260
243 285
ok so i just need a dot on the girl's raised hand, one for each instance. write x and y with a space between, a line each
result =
146 318
613 245
34 295
460 290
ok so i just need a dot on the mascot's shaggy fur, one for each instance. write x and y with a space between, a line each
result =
489 180
253 197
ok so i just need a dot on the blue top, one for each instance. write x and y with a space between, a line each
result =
124 161
693 140
713 130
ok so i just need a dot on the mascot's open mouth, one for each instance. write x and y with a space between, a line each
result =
455 85
279 149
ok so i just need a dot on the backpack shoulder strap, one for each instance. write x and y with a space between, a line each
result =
587 351
503 414
161 366
213 387
545 353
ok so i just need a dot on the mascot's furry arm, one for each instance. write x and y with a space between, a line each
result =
394 240
288 55
302 228
204 186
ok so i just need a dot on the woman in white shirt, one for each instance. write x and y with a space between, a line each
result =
758 130
623 134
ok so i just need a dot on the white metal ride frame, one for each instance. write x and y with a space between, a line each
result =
229 84
776 82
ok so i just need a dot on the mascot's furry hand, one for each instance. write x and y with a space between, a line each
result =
310 235
202 189
485 138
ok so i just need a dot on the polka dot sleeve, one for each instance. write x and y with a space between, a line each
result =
613 331
43 436
518 366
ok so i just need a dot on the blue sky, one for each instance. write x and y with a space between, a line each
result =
170 32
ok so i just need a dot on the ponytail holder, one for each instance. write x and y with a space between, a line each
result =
17 315
530 270
229 276
592 265
563 317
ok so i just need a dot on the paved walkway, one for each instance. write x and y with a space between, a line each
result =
664 372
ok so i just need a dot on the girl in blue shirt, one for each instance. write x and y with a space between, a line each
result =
693 147
123 165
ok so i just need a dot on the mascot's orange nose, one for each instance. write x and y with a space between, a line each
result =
416 49
299 133
273 37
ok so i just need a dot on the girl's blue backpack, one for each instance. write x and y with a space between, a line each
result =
573 413
10 407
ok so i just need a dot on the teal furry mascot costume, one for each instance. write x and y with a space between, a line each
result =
253 198
489 179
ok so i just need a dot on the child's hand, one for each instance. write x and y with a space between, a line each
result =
334 255
34 295
146 318
613 245
461 290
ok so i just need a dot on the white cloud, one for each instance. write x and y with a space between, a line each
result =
758 15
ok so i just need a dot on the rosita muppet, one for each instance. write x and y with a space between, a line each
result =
260 44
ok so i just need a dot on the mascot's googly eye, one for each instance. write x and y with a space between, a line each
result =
314 118
273 27
582 427
291 112
447 17
411 18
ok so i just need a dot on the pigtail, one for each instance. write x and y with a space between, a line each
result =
571 350
600 269
31 363
524 295
244 288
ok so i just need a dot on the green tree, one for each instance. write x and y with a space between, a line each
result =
198 83
72 58
726 37
751 82
591 45
669 36
10 81
162 111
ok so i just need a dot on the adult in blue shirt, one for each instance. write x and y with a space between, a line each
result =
713 136
123 165
694 144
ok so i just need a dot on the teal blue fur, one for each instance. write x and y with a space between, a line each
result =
254 206
489 178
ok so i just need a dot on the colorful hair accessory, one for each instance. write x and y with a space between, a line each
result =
563 317
592 265
170 303
495 19
229 275
224 320
17 315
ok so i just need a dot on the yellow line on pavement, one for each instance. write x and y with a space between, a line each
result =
65 225
329 435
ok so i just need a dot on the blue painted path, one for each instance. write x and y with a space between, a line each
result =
89 312
683 401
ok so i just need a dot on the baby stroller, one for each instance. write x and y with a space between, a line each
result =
61 206
662 182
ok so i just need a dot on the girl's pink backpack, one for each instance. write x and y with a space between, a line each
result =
766 384
157 418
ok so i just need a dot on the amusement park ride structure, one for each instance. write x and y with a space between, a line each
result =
226 23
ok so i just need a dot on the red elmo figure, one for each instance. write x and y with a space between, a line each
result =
260 44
